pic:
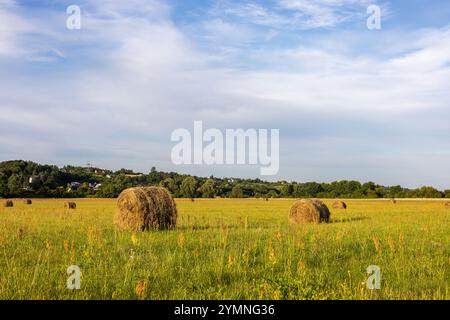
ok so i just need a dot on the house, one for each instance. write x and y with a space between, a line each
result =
73 186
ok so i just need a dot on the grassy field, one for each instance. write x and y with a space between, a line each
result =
227 249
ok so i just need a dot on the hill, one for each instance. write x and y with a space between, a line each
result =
20 178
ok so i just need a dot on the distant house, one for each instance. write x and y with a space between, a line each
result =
73 186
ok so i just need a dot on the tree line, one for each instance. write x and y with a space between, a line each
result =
20 178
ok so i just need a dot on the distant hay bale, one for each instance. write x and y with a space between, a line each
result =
339 205
309 210
393 201
147 208
27 201
8 204
70 205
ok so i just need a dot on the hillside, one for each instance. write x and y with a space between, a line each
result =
20 178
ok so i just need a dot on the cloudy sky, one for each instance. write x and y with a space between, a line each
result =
350 103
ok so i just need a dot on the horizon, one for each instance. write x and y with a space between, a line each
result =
264 180
350 103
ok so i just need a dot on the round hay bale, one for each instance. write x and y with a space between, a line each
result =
70 205
309 210
147 208
27 201
339 205
8 204
393 201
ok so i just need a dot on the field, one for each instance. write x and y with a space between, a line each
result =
227 249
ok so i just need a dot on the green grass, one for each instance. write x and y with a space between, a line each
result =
227 249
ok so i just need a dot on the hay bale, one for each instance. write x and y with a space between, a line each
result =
339 205
393 201
147 208
8 204
309 210
70 205
27 201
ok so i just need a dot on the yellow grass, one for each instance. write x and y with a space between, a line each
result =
227 249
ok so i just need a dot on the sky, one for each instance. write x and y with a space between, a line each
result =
350 103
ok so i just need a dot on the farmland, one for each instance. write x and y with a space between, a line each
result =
227 249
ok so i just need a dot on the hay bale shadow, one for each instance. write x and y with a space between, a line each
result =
349 219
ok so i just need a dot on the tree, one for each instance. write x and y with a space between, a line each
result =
14 184
207 189
3 185
312 189
236 192
287 189
169 184
83 191
107 191
272 194
447 193
189 187
429 192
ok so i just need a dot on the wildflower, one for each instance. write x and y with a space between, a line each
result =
181 241
401 239
134 239
66 245
272 256
278 235
391 244
48 244
376 242
141 289
231 260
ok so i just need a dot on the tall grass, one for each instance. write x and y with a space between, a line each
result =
227 249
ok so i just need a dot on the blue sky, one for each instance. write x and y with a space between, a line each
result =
350 103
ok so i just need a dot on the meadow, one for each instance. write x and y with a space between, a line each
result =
227 249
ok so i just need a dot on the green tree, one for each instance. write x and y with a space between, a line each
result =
15 184
189 187
169 184
429 192
207 189
272 194
287 189
83 190
107 190
237 192
3 185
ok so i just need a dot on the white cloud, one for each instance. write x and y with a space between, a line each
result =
11 27
145 78
296 14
